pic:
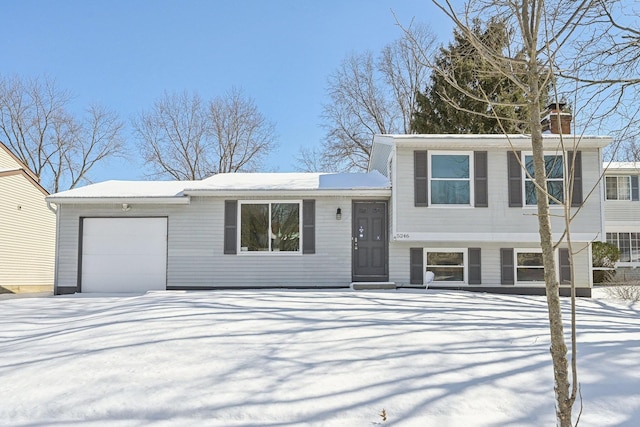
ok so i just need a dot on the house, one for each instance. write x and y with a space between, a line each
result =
27 229
622 215
458 207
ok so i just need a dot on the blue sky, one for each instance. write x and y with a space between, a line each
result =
124 54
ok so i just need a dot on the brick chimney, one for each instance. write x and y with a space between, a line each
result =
556 120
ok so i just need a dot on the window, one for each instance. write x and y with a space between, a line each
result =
447 265
529 266
270 227
554 169
628 244
450 178
618 187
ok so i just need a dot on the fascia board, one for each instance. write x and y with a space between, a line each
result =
116 200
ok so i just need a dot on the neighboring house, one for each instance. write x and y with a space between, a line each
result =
622 214
458 206
27 229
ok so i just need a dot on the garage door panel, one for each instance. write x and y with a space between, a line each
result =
124 254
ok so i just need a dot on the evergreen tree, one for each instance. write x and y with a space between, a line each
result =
465 94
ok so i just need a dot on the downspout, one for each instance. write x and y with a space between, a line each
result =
55 261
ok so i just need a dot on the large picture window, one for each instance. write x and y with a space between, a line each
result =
618 187
628 244
446 265
450 179
554 169
529 267
270 226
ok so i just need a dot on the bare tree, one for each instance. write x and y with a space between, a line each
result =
60 148
185 138
371 96
243 137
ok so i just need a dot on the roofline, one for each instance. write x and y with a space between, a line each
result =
491 140
27 175
358 192
21 163
176 200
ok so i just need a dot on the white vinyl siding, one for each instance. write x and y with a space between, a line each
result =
195 254
498 217
27 234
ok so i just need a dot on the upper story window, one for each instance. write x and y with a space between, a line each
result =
270 226
554 169
618 187
450 178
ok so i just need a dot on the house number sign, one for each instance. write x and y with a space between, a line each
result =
402 236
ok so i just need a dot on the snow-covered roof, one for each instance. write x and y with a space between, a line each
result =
122 191
179 191
290 181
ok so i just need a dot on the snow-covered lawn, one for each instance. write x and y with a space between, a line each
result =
285 358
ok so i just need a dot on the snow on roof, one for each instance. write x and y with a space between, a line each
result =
125 189
223 182
621 165
291 181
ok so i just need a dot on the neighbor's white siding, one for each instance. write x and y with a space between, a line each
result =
195 247
27 234
498 217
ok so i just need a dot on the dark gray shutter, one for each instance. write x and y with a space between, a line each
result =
576 193
565 266
420 178
416 259
506 266
308 226
230 226
635 196
515 179
480 182
475 271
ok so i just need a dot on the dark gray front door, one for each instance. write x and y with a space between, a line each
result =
369 242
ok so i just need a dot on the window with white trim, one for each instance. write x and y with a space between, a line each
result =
529 266
270 226
450 178
554 169
628 244
618 187
447 265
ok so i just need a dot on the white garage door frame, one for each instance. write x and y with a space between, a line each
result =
123 254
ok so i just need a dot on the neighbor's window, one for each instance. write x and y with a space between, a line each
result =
628 244
450 179
618 187
554 169
446 265
270 227
529 267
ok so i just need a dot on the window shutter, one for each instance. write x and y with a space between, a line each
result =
506 266
515 179
475 271
635 196
576 193
416 275
565 266
230 226
480 184
308 226
420 178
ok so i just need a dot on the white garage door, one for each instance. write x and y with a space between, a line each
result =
124 254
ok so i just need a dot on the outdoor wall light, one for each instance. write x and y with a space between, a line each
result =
338 214
125 207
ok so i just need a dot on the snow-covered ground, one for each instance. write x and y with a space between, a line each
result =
326 358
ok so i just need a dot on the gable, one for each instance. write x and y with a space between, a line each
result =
10 162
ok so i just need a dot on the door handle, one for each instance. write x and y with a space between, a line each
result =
355 243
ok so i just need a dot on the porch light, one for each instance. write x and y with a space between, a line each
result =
338 214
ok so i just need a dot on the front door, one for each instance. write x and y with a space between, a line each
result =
369 242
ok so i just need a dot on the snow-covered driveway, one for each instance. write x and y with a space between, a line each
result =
335 358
